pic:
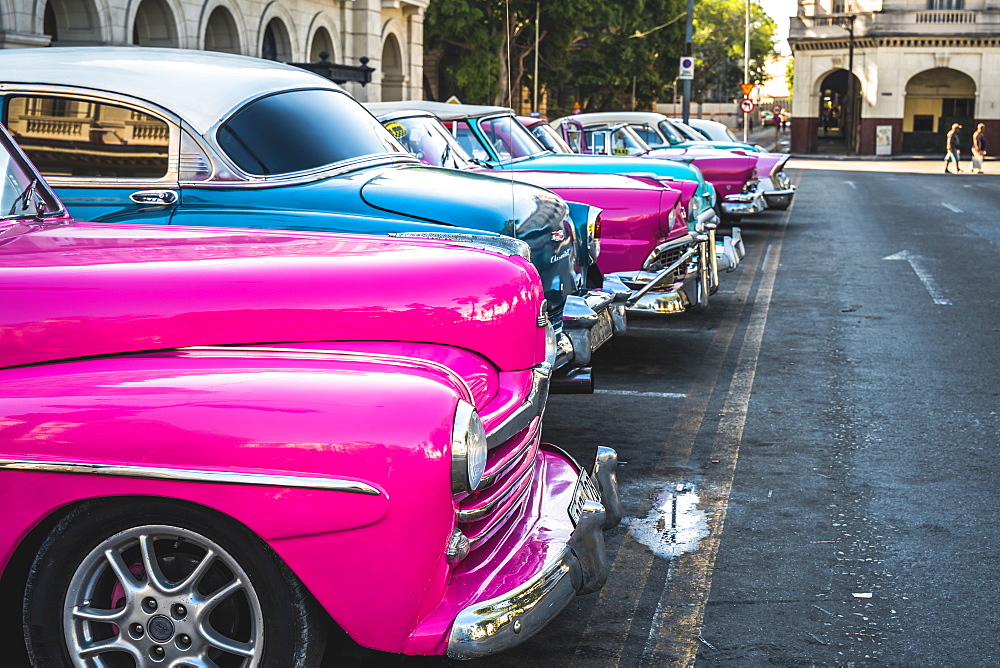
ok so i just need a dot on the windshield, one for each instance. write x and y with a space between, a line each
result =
649 134
690 133
429 141
549 138
22 194
299 130
667 129
619 140
508 138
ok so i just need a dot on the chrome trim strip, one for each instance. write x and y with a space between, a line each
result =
479 512
313 353
508 246
191 475
514 459
518 503
532 407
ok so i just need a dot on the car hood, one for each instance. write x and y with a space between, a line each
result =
504 206
96 289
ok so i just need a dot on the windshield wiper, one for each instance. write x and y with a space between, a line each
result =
27 195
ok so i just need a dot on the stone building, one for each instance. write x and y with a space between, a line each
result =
387 32
891 76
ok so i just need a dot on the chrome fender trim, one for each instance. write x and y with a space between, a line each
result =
191 475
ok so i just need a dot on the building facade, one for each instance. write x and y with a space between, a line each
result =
891 76
389 33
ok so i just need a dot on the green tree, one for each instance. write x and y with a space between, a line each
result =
603 53
627 53
483 46
719 43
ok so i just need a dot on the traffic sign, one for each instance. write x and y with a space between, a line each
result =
777 109
746 105
687 68
746 88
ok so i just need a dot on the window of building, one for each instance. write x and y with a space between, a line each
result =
961 107
923 123
945 4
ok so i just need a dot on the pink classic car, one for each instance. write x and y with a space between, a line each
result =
212 440
733 174
646 245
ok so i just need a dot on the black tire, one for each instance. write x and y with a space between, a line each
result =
270 616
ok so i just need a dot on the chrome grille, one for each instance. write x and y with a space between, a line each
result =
665 259
510 469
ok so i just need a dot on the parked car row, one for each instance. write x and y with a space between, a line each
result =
294 366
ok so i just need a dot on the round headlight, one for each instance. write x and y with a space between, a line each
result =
468 449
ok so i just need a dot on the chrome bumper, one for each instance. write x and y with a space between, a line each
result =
730 250
743 204
582 568
660 292
588 322
779 199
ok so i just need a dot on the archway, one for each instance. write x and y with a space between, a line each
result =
935 99
838 116
276 44
322 42
393 78
221 33
154 25
72 23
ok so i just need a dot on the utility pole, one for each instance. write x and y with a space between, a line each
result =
534 102
688 51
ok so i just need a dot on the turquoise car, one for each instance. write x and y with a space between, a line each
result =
198 138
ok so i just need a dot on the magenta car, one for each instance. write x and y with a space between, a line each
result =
645 240
732 174
211 440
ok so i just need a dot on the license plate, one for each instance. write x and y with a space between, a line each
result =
602 330
584 491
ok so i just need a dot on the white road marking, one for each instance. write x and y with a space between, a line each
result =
951 207
634 393
920 269
851 183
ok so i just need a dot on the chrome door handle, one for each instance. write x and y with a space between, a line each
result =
154 197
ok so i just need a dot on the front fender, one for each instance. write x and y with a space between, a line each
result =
354 418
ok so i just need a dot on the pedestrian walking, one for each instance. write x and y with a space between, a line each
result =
978 149
953 148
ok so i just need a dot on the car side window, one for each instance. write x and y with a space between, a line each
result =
80 138
468 141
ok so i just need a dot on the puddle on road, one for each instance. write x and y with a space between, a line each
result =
674 525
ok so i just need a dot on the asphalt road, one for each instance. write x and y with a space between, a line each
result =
809 468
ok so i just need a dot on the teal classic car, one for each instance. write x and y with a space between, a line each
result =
179 137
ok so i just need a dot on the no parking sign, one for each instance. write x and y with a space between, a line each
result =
687 67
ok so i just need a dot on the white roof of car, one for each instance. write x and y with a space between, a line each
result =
201 87
618 117
443 110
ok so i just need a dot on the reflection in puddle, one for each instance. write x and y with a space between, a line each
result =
674 525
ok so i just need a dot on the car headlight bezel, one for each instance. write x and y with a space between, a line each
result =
468 449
